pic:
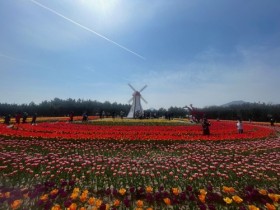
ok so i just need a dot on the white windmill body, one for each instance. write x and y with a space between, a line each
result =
136 109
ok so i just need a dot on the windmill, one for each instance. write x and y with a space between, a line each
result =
136 109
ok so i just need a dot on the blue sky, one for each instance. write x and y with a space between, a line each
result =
186 51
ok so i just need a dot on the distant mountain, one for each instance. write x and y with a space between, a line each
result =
240 102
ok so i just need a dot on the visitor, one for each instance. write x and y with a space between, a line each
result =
272 121
85 117
71 116
205 126
121 113
7 119
24 117
239 125
18 116
34 117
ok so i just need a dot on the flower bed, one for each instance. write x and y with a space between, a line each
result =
81 172
62 130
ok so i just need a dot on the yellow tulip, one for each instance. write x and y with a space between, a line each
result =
228 200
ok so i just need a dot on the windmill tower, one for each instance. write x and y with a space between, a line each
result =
136 109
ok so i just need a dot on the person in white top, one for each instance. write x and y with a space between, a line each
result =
239 125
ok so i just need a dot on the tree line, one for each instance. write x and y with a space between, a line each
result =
248 111
59 107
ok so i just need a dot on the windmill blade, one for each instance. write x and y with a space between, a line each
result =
143 88
143 99
130 100
131 87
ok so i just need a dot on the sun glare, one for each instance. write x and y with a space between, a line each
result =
102 7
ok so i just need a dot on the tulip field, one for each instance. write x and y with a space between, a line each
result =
141 165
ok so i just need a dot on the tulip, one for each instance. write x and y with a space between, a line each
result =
237 199
270 206
56 207
167 201
116 203
122 191
149 189
16 204
227 200
139 203
253 207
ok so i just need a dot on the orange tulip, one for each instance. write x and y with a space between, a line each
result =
149 189
122 191
139 203
98 203
74 195
274 197
253 207
228 189
16 204
56 207
270 206
91 201
54 192
237 199
83 198
73 206
117 202
175 191
44 197
167 201
202 197
7 194
263 192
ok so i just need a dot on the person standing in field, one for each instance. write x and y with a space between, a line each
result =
7 119
205 126
34 117
71 116
239 125
272 122
24 117
18 116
